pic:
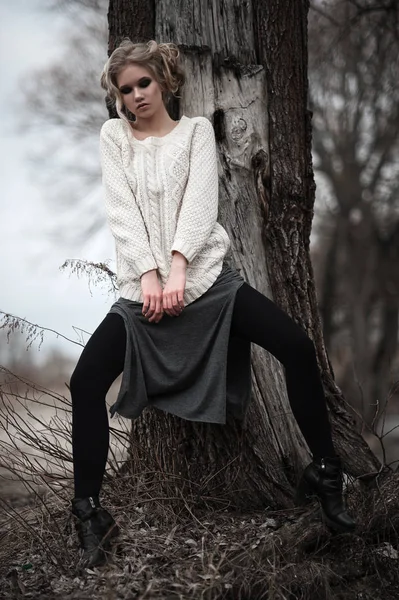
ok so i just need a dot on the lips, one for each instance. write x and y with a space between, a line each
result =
142 105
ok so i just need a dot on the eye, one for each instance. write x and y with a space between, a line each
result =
127 89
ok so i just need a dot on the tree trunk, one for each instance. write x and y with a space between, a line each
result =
328 285
359 268
385 383
246 65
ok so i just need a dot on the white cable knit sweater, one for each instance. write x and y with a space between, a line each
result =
161 195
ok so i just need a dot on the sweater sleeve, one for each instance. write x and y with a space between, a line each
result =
199 209
123 214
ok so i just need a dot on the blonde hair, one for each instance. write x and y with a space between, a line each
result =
162 60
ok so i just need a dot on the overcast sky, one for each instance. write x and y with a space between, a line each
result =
32 286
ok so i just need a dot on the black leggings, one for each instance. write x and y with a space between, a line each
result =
255 318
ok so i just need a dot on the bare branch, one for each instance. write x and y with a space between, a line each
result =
324 14
12 323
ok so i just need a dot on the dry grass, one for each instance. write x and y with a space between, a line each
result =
177 550
174 547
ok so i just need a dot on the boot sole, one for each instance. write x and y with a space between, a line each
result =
103 547
304 499
332 525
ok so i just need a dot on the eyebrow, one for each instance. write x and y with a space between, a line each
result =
128 84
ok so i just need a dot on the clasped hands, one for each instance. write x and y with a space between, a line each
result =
156 301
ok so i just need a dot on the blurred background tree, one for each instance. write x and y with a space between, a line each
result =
51 370
354 74
66 109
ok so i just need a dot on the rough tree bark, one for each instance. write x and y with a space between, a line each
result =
246 65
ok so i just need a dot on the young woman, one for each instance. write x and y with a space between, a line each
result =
185 320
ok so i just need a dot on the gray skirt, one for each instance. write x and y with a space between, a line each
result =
190 365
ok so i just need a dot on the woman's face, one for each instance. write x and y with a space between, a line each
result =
137 86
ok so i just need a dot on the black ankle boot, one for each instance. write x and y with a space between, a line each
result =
323 479
95 527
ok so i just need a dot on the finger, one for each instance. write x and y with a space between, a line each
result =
169 306
150 310
157 307
156 317
174 300
180 298
168 302
180 301
153 317
152 306
176 307
146 304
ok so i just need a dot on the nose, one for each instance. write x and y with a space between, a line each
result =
138 97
